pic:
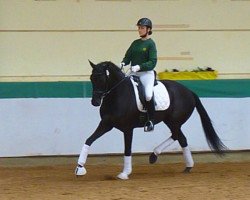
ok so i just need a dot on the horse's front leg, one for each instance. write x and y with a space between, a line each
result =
127 167
101 130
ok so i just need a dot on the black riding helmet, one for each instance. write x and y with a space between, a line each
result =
145 22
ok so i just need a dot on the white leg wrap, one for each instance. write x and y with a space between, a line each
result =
127 164
188 157
83 155
127 168
163 146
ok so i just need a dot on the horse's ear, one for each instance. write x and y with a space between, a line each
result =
92 64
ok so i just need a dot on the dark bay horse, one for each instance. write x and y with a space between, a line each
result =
114 92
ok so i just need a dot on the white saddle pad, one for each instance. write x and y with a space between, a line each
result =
161 96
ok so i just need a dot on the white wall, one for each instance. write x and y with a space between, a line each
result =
57 126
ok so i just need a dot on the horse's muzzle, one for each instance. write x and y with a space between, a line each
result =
96 101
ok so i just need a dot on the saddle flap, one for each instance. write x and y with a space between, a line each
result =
161 96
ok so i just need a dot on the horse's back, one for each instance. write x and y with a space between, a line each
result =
182 101
176 87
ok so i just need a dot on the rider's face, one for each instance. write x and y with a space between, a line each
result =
142 30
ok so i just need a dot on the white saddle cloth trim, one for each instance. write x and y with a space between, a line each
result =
161 97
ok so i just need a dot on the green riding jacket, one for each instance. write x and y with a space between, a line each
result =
142 53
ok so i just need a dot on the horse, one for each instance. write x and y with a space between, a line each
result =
113 92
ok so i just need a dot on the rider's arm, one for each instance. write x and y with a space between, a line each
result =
152 59
128 55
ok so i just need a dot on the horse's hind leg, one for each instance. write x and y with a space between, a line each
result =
186 152
176 135
163 146
160 148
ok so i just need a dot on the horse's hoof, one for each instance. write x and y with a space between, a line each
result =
123 176
152 158
187 170
80 171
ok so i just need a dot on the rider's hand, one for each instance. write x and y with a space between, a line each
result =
122 64
135 68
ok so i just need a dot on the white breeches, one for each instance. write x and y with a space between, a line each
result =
147 79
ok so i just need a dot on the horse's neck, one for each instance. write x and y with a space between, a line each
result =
119 90
114 80
115 77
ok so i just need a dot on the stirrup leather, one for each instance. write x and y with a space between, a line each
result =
149 126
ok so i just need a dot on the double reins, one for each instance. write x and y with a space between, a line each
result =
105 92
115 86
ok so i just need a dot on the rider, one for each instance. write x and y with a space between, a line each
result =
142 55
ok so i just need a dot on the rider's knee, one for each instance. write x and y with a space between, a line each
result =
148 95
148 98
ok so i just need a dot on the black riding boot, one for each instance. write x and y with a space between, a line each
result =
149 125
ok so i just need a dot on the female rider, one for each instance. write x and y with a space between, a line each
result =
142 55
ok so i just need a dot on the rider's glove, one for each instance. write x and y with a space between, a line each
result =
122 64
135 68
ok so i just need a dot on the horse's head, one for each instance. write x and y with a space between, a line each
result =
105 77
99 80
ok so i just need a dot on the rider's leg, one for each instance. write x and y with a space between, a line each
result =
147 79
149 126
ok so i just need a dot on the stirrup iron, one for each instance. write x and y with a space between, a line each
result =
149 126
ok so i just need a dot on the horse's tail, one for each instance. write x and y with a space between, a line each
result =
213 139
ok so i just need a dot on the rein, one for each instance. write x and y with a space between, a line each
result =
106 92
115 86
126 76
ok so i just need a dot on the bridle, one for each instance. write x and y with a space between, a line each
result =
106 91
100 92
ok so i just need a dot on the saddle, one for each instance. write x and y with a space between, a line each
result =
160 95
141 90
